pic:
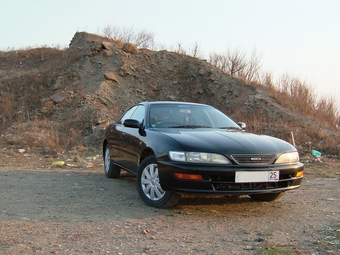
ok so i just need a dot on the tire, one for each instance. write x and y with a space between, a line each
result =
149 188
111 170
266 196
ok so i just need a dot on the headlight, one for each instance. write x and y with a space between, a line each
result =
289 157
198 157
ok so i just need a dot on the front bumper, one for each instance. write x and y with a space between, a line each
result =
221 179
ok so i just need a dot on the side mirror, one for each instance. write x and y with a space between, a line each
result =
242 125
131 123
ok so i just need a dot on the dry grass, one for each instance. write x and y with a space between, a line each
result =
298 96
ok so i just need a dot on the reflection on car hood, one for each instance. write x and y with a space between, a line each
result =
228 142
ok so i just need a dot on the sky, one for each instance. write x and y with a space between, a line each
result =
300 38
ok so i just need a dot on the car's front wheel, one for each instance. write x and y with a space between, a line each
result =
149 187
267 196
111 170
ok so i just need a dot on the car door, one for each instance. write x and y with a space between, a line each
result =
130 142
116 137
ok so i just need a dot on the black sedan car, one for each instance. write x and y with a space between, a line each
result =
179 147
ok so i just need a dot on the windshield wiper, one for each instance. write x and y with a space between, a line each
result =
189 126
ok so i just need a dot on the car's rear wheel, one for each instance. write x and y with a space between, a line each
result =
111 170
149 187
267 196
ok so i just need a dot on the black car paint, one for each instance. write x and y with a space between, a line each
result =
130 144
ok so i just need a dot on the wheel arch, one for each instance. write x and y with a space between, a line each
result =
146 153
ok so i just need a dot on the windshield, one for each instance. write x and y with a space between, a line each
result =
188 116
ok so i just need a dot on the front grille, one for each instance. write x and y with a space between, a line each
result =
253 159
251 186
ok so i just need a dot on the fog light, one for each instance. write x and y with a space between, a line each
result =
299 174
191 177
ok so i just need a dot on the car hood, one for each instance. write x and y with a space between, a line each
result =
228 142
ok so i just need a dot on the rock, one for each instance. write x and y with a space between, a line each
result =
110 76
107 53
118 43
154 88
44 150
124 72
112 45
58 98
98 47
249 248
58 84
107 45
101 121
130 48
86 165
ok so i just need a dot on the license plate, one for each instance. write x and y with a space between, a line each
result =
256 176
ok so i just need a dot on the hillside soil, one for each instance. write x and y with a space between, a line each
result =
74 210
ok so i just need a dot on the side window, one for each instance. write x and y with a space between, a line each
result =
139 114
127 115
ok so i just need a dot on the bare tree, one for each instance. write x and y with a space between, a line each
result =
237 62
267 81
127 35
179 49
250 72
111 32
142 39
107 32
195 52
220 61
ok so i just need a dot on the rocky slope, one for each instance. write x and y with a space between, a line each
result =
56 99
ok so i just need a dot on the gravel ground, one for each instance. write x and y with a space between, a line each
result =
80 211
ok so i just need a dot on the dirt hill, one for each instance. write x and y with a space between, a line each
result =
54 99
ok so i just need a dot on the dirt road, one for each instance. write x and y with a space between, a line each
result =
77 211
